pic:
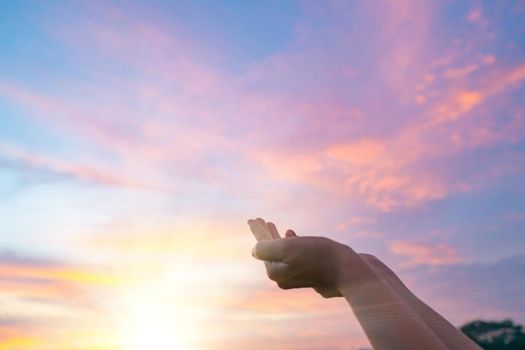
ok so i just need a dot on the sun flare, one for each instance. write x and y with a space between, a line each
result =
155 321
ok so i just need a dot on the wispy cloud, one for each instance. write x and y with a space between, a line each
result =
425 254
299 115
44 293
370 115
21 160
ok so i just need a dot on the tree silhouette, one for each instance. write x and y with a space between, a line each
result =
492 335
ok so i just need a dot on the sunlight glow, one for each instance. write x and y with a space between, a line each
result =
155 321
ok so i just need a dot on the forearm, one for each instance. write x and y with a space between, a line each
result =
452 337
449 335
388 321
392 317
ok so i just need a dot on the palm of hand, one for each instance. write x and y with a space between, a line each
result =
267 231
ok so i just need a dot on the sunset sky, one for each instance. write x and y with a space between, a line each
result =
136 139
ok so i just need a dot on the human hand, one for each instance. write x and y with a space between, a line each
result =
371 289
298 262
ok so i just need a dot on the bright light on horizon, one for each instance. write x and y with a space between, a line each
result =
137 137
153 321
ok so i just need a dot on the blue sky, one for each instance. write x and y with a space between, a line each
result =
136 138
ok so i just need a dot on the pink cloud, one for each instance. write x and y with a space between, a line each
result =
369 234
87 173
474 16
384 121
355 222
297 116
388 172
425 254
462 72
432 121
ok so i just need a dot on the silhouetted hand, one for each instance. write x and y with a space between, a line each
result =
392 317
300 262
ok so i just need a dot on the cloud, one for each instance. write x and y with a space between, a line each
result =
16 340
425 254
395 171
407 146
369 234
365 110
276 314
13 322
41 296
355 222
137 239
24 161
12 258
461 72
67 115
474 16
22 270
364 118
269 299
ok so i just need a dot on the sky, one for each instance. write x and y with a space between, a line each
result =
136 139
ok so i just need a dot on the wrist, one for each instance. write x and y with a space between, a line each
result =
353 273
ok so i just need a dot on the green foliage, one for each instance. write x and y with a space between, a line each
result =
503 335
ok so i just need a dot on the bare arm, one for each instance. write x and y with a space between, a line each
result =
391 316
449 335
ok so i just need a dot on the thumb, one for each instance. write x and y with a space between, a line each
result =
290 233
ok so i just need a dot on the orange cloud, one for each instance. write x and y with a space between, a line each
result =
363 152
40 280
44 297
378 171
461 103
15 341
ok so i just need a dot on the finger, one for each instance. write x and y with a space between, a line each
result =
269 250
290 233
294 283
260 232
273 230
328 292
277 271
263 224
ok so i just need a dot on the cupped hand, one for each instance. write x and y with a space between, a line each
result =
300 262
